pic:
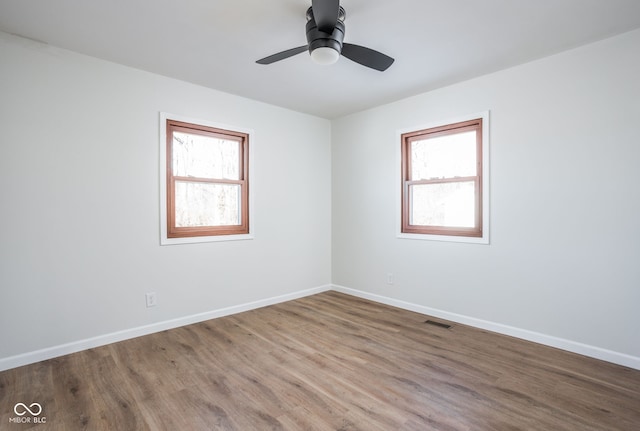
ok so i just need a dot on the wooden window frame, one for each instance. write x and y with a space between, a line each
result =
444 130
242 138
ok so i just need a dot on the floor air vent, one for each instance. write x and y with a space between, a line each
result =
438 324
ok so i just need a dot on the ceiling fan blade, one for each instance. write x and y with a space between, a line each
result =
325 13
367 57
282 55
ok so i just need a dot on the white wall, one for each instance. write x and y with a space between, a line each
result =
564 258
79 193
79 219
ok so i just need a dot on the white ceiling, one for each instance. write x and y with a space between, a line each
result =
215 43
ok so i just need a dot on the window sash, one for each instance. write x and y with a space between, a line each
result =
407 205
215 166
174 231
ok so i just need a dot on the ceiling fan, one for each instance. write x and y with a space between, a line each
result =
325 31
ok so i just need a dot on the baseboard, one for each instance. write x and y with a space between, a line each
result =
547 340
76 346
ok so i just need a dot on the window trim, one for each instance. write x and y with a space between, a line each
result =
470 235
169 235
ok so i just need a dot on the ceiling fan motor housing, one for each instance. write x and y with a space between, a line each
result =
317 39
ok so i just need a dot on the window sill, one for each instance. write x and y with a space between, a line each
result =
444 238
199 239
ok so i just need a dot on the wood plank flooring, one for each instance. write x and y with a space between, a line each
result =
325 362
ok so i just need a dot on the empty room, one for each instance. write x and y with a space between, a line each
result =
320 215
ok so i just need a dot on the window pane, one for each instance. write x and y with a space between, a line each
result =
444 204
446 156
205 157
205 204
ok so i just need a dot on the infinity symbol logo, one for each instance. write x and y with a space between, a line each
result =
35 412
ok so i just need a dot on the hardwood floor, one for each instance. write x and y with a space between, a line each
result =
325 362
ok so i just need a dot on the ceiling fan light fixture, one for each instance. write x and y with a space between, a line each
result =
325 55
325 33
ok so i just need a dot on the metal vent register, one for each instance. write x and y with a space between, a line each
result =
438 324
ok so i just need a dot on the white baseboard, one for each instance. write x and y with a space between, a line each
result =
76 346
547 340
101 340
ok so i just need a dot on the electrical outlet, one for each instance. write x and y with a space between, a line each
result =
152 300
389 277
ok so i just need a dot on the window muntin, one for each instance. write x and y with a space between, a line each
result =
442 180
207 180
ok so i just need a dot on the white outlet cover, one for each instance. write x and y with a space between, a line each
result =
151 299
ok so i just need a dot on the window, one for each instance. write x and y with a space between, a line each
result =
206 180
442 180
